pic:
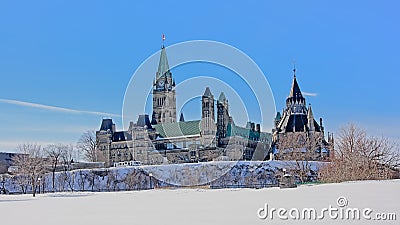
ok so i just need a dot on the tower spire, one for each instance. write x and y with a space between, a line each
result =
295 90
163 66
164 101
310 115
163 39
294 68
207 92
310 118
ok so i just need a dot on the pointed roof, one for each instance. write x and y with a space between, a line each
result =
181 119
163 66
207 92
295 90
222 97
278 116
310 114
106 124
143 120
311 121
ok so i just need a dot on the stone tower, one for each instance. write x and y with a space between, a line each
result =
207 105
208 129
222 116
296 130
207 115
164 100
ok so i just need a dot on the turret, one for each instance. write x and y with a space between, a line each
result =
310 119
295 101
208 128
222 116
207 105
278 118
181 118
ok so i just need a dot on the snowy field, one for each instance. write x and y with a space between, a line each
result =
199 206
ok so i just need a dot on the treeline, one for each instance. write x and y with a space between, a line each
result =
94 180
359 156
243 174
34 161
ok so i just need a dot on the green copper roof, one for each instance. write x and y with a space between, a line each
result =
222 97
163 66
207 92
166 130
233 130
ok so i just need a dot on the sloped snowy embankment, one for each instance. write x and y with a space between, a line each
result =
218 174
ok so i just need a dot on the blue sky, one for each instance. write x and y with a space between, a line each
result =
80 55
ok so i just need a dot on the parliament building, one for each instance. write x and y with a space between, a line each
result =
161 138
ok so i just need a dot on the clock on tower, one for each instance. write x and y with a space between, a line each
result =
161 83
164 103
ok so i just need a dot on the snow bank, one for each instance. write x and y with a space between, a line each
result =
218 174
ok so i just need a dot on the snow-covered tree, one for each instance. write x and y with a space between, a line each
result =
30 164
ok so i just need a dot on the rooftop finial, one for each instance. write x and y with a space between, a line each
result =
163 39
294 68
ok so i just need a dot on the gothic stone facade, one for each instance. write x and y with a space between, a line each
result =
164 140
296 135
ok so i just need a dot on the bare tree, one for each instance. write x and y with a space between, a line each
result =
112 180
82 178
21 181
67 156
54 152
62 181
87 145
131 180
361 157
30 164
92 177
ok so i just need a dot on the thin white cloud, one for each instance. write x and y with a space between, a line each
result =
55 108
59 128
309 94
